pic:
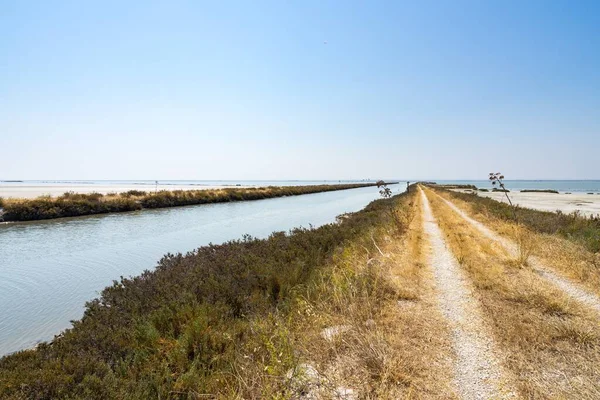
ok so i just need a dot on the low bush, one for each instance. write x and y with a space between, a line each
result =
81 196
539 191
48 208
134 193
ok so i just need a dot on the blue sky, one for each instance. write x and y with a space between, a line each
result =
250 90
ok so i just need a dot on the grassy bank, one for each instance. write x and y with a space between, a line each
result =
550 342
227 321
575 227
75 204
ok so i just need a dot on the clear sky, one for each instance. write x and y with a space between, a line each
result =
299 89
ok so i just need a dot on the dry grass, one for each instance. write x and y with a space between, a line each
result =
526 244
394 343
403 216
570 259
551 344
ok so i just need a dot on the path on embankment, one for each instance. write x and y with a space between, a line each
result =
517 331
478 373
571 288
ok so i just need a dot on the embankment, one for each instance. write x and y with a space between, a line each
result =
228 320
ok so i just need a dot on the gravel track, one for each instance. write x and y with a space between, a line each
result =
478 374
574 290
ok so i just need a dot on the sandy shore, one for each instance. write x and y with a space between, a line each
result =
586 204
33 191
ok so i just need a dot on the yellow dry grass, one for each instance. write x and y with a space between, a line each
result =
551 345
567 258
392 342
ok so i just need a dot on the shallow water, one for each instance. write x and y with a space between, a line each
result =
48 270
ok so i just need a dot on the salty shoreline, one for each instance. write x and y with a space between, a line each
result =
586 204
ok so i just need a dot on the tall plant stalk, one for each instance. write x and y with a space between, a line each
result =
498 179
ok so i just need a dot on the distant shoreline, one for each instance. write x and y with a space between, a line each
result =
34 191
30 189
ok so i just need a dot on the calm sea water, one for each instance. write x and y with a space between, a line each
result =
176 182
48 270
561 186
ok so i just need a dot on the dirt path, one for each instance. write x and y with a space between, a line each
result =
572 289
478 373
549 343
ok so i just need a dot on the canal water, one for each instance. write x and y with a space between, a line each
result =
48 270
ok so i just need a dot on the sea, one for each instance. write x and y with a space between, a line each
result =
587 186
